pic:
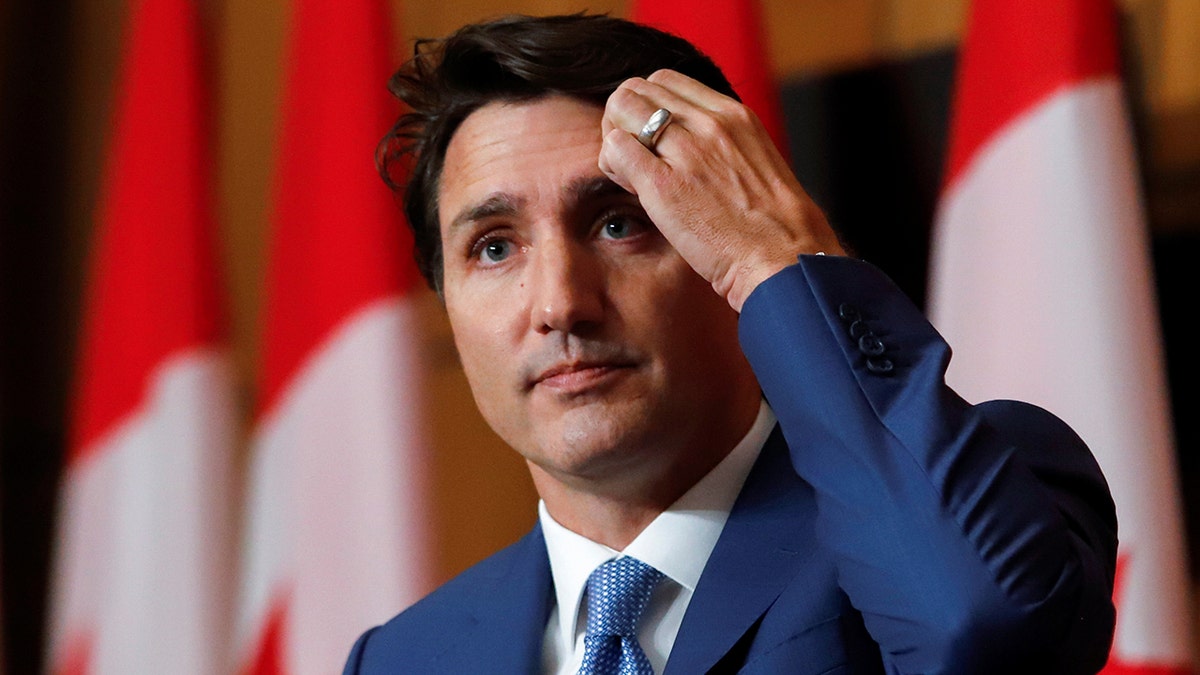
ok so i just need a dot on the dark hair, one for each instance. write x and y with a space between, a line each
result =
510 59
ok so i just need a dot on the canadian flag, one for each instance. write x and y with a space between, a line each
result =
731 33
336 539
144 541
1042 282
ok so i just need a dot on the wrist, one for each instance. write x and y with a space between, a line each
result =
745 282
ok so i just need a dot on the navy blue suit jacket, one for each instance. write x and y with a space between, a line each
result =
888 526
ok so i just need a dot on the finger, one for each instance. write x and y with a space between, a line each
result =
693 91
629 107
628 163
616 106
728 113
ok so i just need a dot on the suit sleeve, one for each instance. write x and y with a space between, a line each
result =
354 660
973 539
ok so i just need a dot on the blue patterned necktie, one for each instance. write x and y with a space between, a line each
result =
618 592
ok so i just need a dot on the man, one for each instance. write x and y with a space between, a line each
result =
636 296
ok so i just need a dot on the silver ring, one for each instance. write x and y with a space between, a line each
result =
654 128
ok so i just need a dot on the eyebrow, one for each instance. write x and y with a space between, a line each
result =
578 191
588 188
496 204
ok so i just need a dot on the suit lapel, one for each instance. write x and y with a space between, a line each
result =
755 558
509 619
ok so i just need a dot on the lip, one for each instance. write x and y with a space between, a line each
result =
578 377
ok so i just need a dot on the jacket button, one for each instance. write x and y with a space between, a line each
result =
858 329
880 366
870 345
848 313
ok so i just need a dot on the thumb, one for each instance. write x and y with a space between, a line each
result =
628 163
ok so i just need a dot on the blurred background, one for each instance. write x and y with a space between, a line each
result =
865 87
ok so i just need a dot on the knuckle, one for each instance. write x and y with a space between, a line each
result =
623 100
707 125
632 84
621 96
637 84
732 112
661 76
608 145
741 114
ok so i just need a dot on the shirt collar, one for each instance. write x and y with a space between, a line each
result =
677 543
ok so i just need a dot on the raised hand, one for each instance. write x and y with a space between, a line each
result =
714 183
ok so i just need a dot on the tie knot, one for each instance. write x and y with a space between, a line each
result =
618 592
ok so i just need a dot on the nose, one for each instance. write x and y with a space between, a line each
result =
567 287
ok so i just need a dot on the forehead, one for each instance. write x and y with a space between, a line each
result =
527 150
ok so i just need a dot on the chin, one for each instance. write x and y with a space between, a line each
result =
591 446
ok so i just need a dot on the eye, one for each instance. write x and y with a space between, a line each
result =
620 226
491 251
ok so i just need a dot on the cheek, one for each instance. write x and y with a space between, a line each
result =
487 374
697 324
679 294
485 351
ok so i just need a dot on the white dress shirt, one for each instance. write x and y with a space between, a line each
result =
677 543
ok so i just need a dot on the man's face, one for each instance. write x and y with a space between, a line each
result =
591 347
